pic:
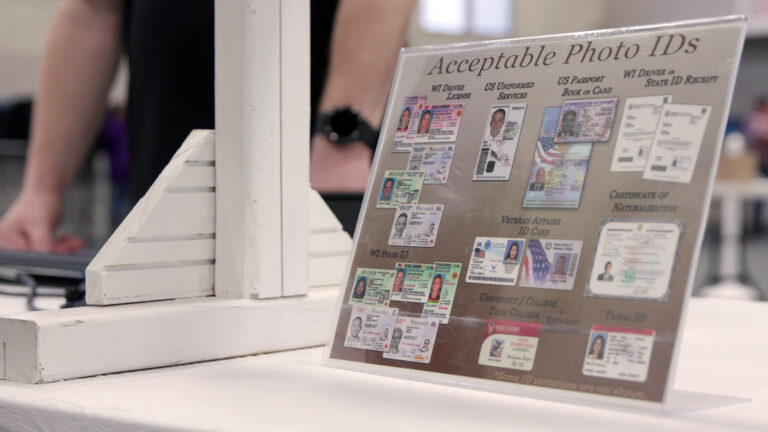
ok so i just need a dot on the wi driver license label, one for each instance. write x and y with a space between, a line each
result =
412 282
406 123
442 291
413 339
550 264
495 260
586 120
497 152
510 344
370 328
400 187
434 160
372 287
619 353
439 123
416 225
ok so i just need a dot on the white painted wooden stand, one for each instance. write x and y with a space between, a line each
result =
242 255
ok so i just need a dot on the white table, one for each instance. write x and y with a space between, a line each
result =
724 351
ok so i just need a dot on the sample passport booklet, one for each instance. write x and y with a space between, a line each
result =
535 210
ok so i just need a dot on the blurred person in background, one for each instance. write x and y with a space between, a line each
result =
756 131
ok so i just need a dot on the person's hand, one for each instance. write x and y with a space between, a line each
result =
339 169
29 223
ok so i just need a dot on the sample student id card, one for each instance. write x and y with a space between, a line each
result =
510 344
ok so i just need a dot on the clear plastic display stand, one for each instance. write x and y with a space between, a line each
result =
535 214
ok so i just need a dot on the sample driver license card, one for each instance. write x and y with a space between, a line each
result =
442 291
370 328
619 353
413 339
677 142
412 282
637 127
586 120
439 123
406 123
435 160
372 287
634 259
550 263
400 187
497 152
495 260
416 225
510 344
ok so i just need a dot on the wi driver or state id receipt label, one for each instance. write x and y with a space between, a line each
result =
370 328
413 339
372 287
497 152
636 131
510 344
412 282
400 187
619 353
550 263
407 122
434 160
439 123
586 120
677 142
442 291
416 225
634 259
495 261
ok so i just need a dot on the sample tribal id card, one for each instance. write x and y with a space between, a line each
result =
638 125
497 152
439 123
372 287
510 344
495 260
400 187
416 225
550 263
586 120
413 339
634 259
370 328
558 171
434 160
412 282
619 353
407 122
443 290
677 142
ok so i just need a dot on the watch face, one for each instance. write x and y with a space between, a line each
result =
343 123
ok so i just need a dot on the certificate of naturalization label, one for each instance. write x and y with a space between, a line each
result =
619 353
550 263
416 225
634 259
676 143
372 287
407 122
441 293
638 125
439 123
413 339
415 284
586 120
370 328
495 260
400 187
497 152
510 344
556 179
434 160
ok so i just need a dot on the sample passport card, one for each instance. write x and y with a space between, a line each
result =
550 263
495 260
416 225
372 287
413 339
400 187
636 131
434 160
416 282
586 120
619 353
407 122
442 291
510 344
370 328
439 123
499 144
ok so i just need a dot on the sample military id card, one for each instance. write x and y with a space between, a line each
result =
443 290
497 152
400 187
406 123
439 123
510 344
636 131
619 353
416 225
550 263
370 328
586 120
434 160
415 283
677 142
495 260
413 339
372 287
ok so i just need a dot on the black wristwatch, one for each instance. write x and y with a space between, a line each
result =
345 125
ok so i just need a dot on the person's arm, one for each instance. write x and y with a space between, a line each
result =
79 65
367 38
